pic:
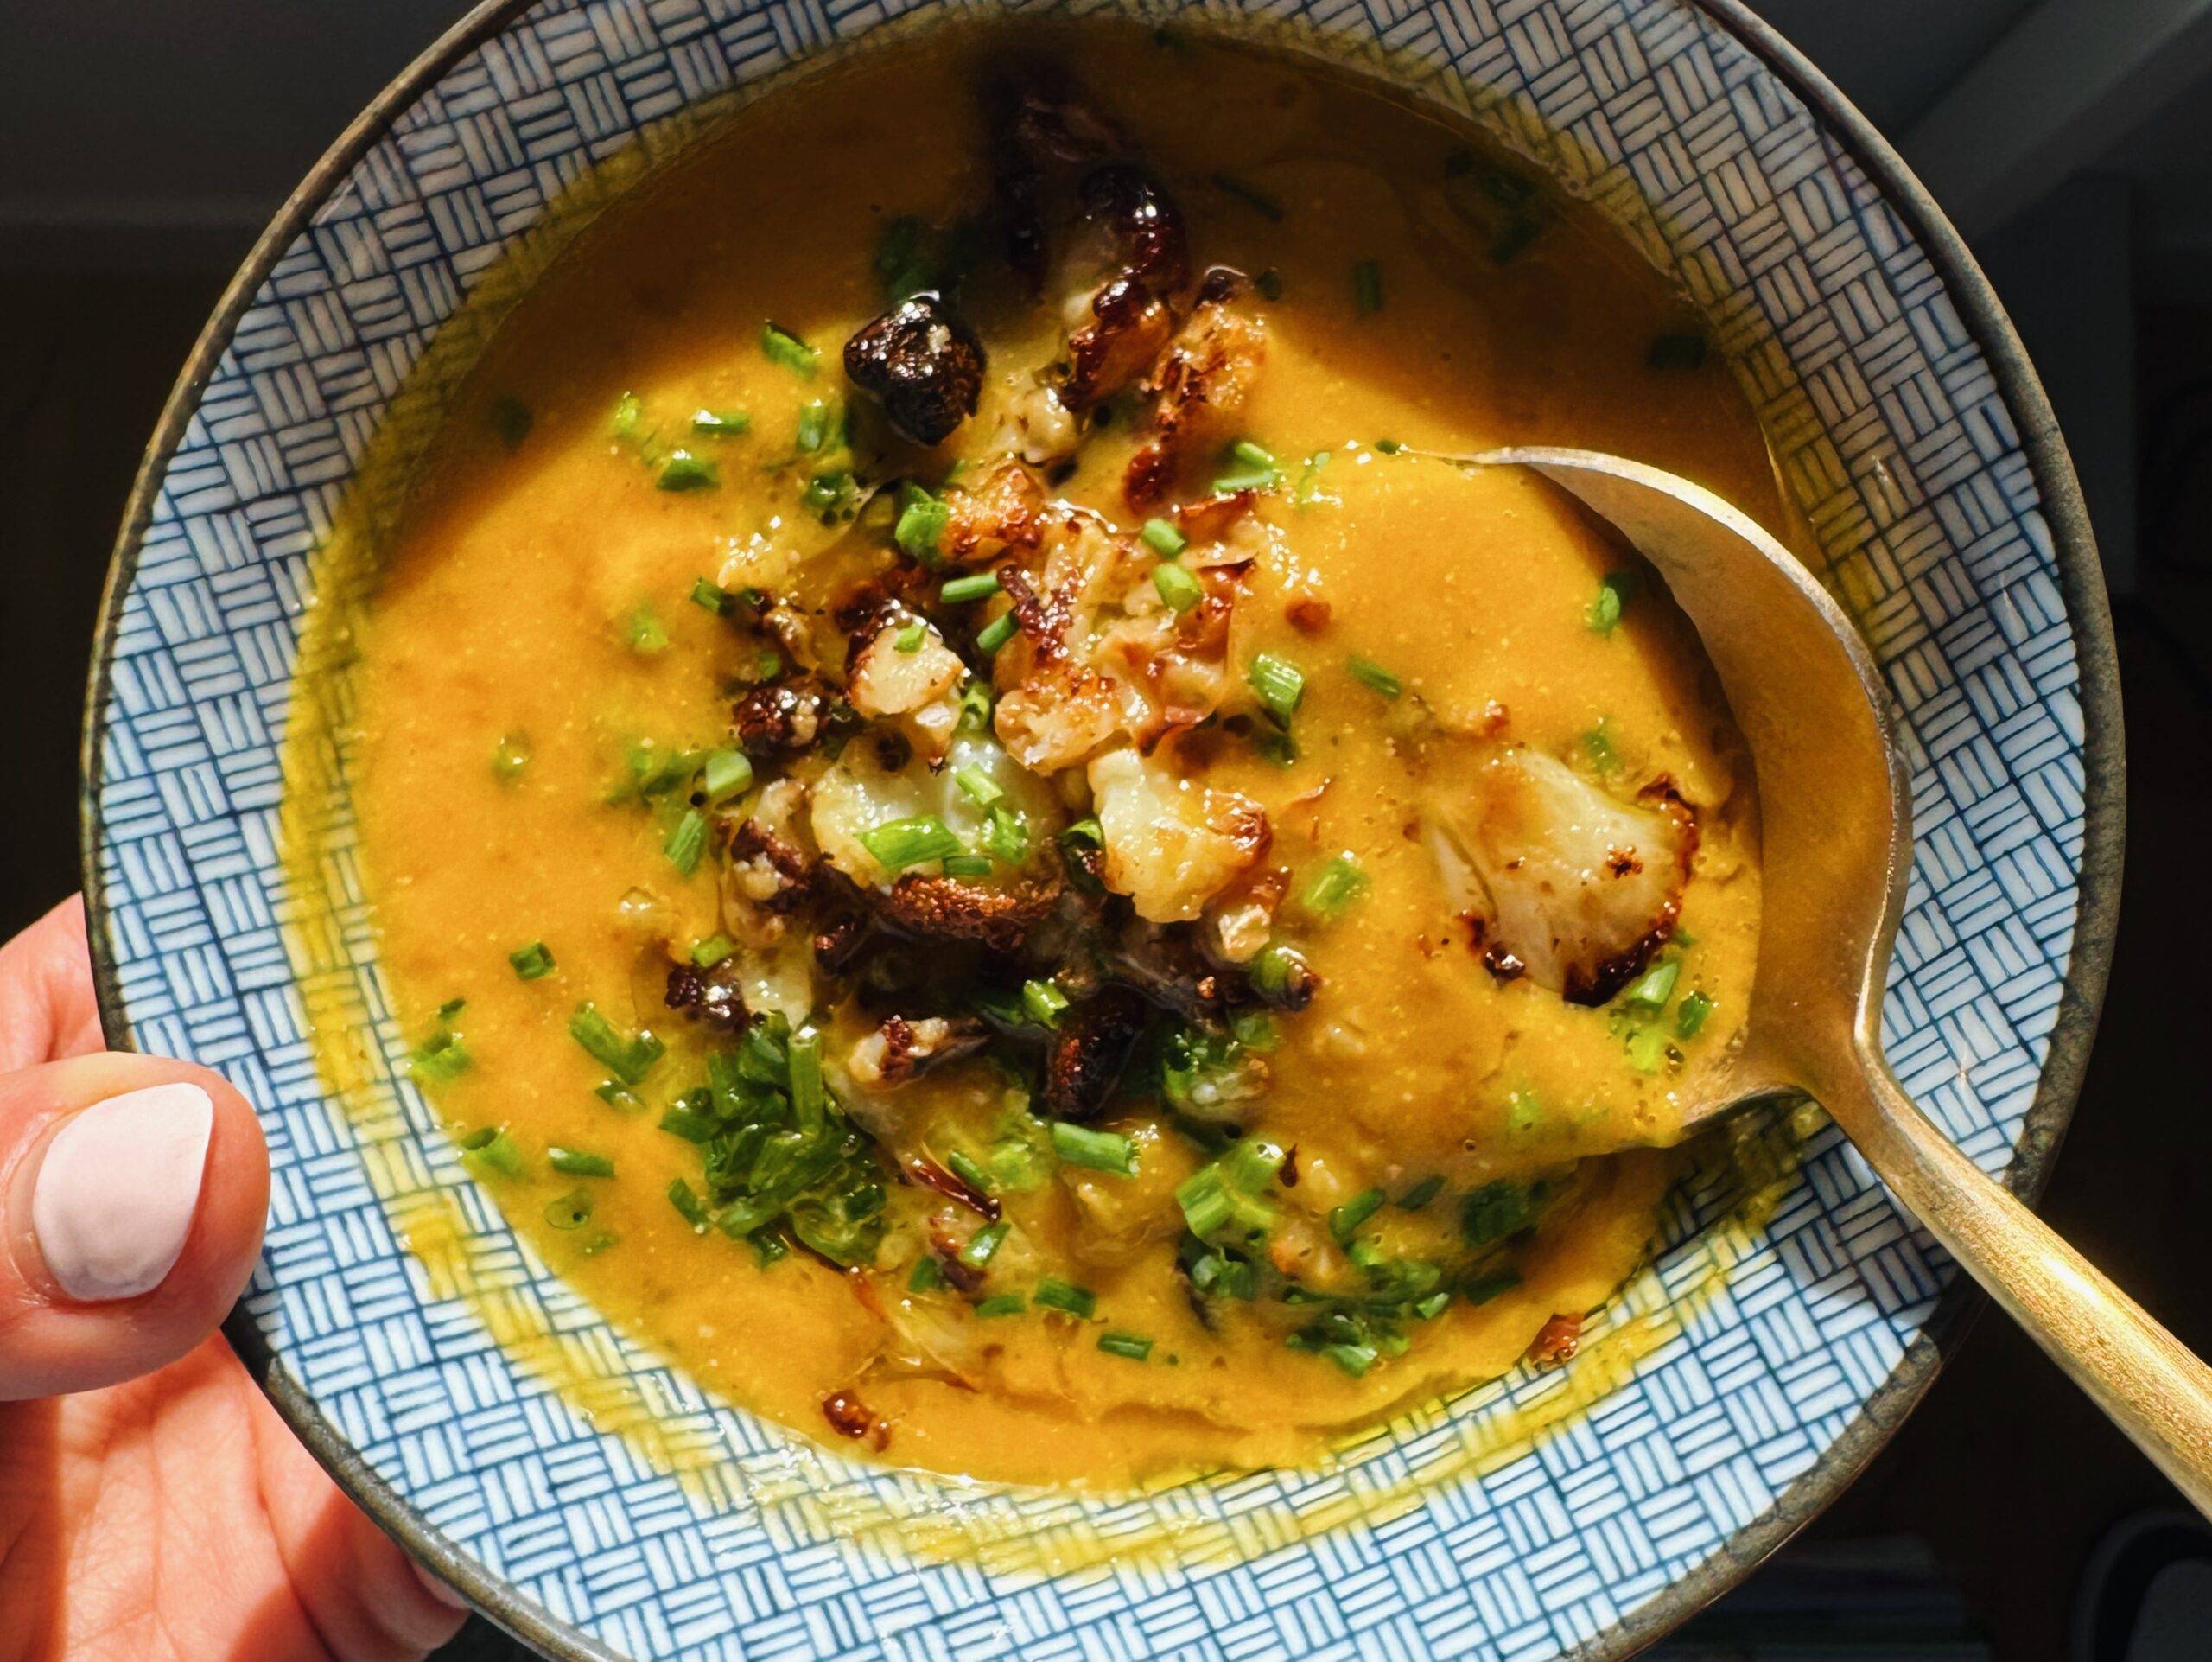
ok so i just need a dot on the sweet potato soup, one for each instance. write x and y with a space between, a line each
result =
973 834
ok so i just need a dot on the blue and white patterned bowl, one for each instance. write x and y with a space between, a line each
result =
1914 438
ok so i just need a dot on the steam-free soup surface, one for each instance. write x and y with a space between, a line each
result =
1147 1004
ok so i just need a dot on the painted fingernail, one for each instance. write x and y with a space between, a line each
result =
114 1197
437 1589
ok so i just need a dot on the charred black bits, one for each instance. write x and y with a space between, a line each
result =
1145 221
923 363
782 717
705 997
1090 1050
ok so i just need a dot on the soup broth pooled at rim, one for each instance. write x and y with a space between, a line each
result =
1126 919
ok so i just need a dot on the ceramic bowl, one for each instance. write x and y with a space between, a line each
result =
596 1503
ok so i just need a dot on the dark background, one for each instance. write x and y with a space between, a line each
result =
1968 1535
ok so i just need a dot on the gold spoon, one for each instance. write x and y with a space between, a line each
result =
1836 839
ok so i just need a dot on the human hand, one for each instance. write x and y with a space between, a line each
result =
153 1508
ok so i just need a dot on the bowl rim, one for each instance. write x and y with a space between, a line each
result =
2080 579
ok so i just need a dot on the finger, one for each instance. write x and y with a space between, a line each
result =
46 1008
132 1193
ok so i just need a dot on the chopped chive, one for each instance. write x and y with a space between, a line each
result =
578 1162
1524 1112
1057 1294
995 634
833 497
1275 967
928 1276
532 961
974 705
1331 891
1001 1304
681 1197
1253 1162
1078 1145
711 596
959 590
510 758
1372 676
1279 682
1690 1015
646 632
1344 1220
1367 288
1270 283
1597 746
1044 1002
1433 1306
909 639
898 843
686 1122
510 420
963 1166
687 840
1354 1360
810 1100
1251 454
978 786
1683 350
1651 990
1309 481
1176 587
725 773
1265 206
1133 1345
1205 1200
984 1244
569 1211
442 1058
618 1096
1647 1049
1086 831
814 425
630 1059
720 423
682 471
965 865
712 950
629 416
1421 1193
1164 539
1612 598
782 346
496 1152
1256 470
1006 836
922 522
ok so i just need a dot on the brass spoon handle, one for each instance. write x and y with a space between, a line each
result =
2140 1374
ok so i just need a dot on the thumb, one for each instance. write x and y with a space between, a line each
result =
132 1192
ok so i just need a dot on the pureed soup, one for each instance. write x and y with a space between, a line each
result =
973 843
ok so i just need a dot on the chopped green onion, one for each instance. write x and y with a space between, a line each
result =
1256 470
1164 539
1279 682
1684 351
810 1100
1346 1219
1133 1345
440 1057
1354 1360
687 840
511 756
682 471
1275 967
720 423
974 705
577 1162
984 1244
833 496
569 1211
1647 1049
1421 1193
629 416
898 843
1309 481
785 348
814 425
1266 207
532 961
1331 891
1524 1112
1044 1002
1597 746
725 773
963 1166
1651 990
1001 1304
710 596
1253 1162
1057 1294
1006 836
1367 288
1085 831
1494 1211
909 639
1206 1202
687 1123
645 632
1177 587
1078 1145
1372 676
995 634
922 522
959 590
1613 596
965 865
629 1058
496 1152
712 950
928 1276
681 1197
618 1096
1690 1015
1251 454
978 786
1433 1306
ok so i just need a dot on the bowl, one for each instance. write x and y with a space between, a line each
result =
597 1504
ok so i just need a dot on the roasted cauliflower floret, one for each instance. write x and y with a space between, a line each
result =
1172 845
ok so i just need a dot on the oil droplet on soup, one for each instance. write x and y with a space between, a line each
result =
975 842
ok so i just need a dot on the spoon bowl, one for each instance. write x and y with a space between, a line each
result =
1835 844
